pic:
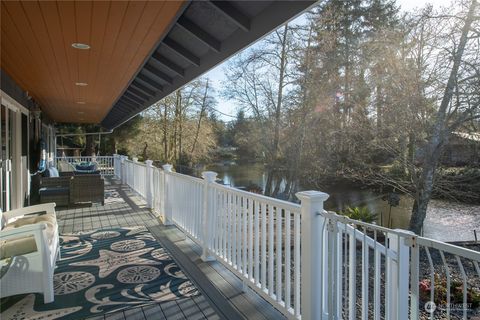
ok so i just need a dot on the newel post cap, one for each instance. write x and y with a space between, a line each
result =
210 176
312 196
167 167
149 163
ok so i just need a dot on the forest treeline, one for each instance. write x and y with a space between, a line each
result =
354 90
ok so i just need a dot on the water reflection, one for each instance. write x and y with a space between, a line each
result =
445 221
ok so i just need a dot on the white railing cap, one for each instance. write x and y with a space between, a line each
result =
167 167
312 195
210 176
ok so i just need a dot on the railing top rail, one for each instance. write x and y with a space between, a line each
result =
449 248
85 157
336 217
293 207
136 163
184 176
426 242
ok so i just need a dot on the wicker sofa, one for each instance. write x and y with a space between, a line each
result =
87 188
73 189
55 189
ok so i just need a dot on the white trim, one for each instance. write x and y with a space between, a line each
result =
17 187
11 103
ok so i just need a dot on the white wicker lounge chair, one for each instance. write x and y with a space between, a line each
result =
29 248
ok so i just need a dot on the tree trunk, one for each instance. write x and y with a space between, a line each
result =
379 105
165 134
202 112
144 153
180 126
269 182
89 146
439 133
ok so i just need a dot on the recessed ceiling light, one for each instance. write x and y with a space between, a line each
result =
81 102
81 119
81 84
80 112
81 46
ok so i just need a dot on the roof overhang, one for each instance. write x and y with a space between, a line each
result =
139 51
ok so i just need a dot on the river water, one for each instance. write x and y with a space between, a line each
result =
445 221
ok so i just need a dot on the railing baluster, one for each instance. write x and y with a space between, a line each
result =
245 242
250 240
447 274
414 281
225 226
279 252
256 251
235 233
297 264
271 246
352 277
229 228
264 246
339 272
464 282
288 259
432 278
365 266
377 279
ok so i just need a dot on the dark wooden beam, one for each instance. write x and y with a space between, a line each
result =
144 88
122 107
180 50
138 93
196 31
170 65
158 73
150 81
131 100
133 97
232 14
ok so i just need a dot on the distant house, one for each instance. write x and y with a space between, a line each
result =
463 148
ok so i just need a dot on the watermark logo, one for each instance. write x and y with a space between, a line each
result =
430 306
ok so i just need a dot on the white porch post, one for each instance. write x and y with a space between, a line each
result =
115 172
167 207
116 166
398 278
123 169
208 215
134 178
149 184
311 240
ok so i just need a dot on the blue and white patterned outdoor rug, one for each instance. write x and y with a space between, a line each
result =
105 271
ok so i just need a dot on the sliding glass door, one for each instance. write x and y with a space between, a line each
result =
7 129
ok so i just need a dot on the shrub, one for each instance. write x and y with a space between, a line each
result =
359 213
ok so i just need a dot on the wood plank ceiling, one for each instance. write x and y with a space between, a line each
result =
37 52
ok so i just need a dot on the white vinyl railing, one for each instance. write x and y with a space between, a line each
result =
105 163
307 262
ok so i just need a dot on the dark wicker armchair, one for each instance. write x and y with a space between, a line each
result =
87 188
55 189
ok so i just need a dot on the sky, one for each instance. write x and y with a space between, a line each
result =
229 110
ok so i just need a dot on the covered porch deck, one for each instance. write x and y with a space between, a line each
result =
222 293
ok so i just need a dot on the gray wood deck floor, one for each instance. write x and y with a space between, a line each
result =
221 291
